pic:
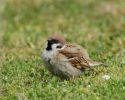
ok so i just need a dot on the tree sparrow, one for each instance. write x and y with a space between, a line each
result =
66 60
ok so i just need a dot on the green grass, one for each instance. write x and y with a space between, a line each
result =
97 25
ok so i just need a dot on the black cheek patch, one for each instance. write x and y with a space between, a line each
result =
59 46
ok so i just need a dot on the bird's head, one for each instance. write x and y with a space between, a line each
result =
55 42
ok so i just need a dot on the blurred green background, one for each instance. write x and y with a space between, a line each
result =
25 25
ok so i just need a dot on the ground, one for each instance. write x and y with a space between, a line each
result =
97 25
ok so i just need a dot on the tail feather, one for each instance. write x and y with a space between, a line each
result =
94 63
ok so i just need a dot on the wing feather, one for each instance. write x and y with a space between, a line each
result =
75 57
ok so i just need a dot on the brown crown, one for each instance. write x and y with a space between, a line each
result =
59 38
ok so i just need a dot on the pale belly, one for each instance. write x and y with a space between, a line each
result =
59 67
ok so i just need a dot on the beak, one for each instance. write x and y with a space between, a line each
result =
49 40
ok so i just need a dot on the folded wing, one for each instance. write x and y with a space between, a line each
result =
78 57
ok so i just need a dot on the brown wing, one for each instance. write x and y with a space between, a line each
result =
75 57
77 48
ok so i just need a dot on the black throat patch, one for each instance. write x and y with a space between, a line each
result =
49 46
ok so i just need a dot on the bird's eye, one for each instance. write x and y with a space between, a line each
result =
52 41
55 41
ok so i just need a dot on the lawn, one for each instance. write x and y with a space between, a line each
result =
97 25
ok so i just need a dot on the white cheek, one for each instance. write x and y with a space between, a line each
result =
54 46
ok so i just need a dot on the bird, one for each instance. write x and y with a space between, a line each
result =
66 60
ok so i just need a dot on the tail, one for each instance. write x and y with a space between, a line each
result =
94 63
